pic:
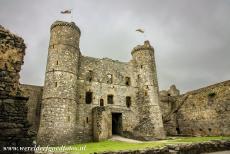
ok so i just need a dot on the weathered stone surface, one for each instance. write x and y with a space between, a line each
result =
101 123
14 127
202 112
12 51
34 104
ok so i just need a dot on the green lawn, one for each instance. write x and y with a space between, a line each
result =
117 145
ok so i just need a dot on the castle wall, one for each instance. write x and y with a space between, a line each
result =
34 93
101 87
204 112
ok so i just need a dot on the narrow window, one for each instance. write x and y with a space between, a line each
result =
127 81
88 97
55 84
57 62
101 102
90 75
87 120
110 99
141 66
109 78
128 101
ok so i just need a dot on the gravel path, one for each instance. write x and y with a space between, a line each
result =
119 138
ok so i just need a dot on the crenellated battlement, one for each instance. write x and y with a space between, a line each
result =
145 46
68 24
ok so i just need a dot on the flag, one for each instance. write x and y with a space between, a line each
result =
66 12
140 30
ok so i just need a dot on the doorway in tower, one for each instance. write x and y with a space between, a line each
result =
117 123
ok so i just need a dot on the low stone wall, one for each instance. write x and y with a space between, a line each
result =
195 148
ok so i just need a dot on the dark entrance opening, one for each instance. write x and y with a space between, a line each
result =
178 130
117 123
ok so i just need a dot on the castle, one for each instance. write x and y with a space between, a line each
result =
88 99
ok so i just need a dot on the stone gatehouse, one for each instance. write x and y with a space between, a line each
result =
87 99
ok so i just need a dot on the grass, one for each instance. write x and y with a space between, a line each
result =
118 145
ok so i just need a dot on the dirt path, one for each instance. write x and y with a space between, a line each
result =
119 138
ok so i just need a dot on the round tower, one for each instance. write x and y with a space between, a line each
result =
59 105
147 97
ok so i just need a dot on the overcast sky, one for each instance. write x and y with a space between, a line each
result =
191 37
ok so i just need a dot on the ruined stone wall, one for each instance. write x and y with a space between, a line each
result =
169 107
206 111
34 93
203 112
12 51
13 110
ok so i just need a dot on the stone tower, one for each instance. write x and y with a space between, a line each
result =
59 106
150 119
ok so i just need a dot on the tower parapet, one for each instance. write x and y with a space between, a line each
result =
150 120
59 105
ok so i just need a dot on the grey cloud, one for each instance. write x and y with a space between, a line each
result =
191 38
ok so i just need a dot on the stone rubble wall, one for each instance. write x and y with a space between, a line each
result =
14 126
206 111
202 112
194 148
12 51
101 123
34 93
